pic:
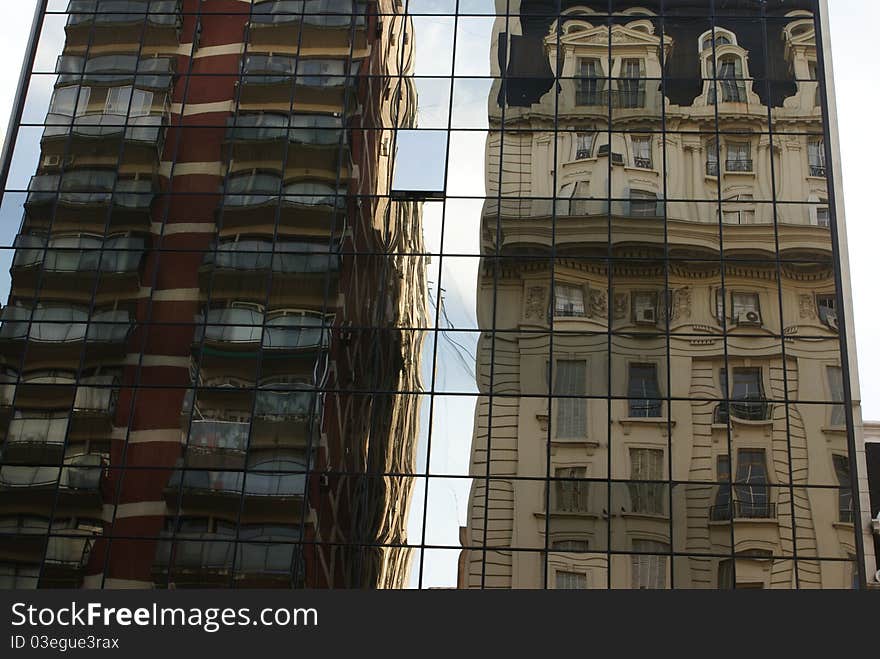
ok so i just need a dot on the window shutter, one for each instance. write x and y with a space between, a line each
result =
571 413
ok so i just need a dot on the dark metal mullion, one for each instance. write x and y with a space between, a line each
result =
609 286
779 278
97 281
551 312
714 305
842 321
667 300
439 302
496 262
147 325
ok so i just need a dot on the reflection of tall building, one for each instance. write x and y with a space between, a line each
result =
203 339
661 370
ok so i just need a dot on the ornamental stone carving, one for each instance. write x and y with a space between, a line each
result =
681 303
536 303
598 303
807 308
621 306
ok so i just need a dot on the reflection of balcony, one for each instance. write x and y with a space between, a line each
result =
739 165
202 558
211 557
94 408
216 444
71 264
57 334
100 135
320 83
712 168
23 538
84 198
817 170
35 439
743 409
301 140
325 23
273 489
77 484
235 269
282 413
255 200
241 330
742 510
144 22
44 390
115 70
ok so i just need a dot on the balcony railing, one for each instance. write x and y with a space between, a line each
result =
45 431
739 165
211 552
643 163
746 408
23 525
219 435
282 258
266 189
314 129
645 408
591 94
320 13
112 70
147 129
96 395
254 483
245 326
743 510
817 170
712 168
124 12
272 69
91 188
65 325
207 552
286 403
83 472
70 552
73 255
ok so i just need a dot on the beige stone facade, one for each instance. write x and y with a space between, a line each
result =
731 252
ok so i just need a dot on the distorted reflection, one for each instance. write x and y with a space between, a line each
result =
426 294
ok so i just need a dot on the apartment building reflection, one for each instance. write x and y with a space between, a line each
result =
662 400
204 339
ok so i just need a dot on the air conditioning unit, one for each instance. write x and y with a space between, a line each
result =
748 318
646 316
617 159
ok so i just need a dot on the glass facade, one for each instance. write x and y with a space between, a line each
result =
424 294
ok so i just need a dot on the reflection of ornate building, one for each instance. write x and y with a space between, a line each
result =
619 454
200 384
